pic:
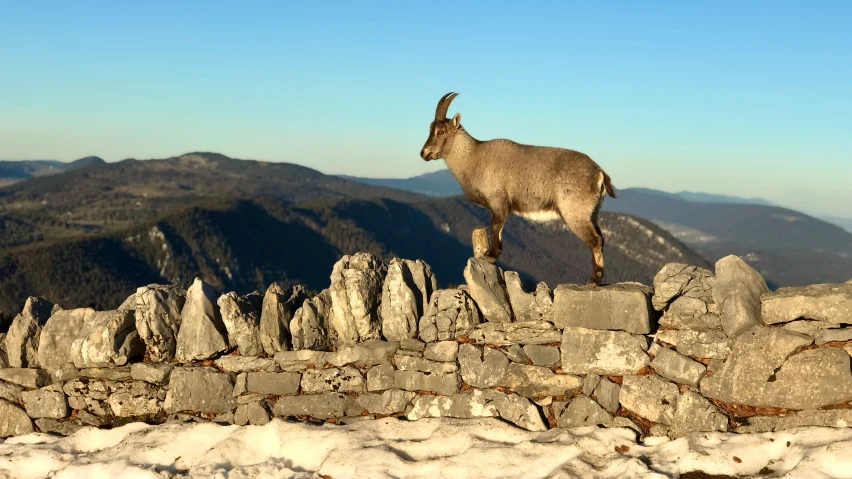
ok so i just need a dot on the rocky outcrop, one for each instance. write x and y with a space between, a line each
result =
107 338
831 303
279 307
22 340
309 327
202 333
615 353
406 292
487 287
241 316
58 335
451 314
620 307
355 292
737 295
158 318
684 294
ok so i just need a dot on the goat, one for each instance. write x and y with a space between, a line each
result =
537 182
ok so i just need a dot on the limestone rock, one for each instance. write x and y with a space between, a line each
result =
58 335
133 404
650 396
277 312
253 413
380 378
406 292
543 355
685 295
488 289
590 382
822 418
607 393
694 413
537 382
241 316
412 344
10 392
507 334
309 326
704 344
279 384
517 354
583 411
446 384
54 426
609 353
241 364
619 307
200 390
392 401
26 377
13 420
824 302
320 406
342 379
478 403
737 294
824 336
355 291
202 333
535 306
108 338
158 319
100 401
116 374
368 353
678 368
47 402
408 363
155 373
765 371
451 314
22 339
482 367
442 351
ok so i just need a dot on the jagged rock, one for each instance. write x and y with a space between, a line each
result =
155 373
47 402
612 353
607 393
273 383
202 333
309 327
446 384
355 291
392 401
478 403
158 319
517 354
765 371
506 334
737 294
442 351
22 339
650 396
241 364
277 312
13 420
543 355
544 301
823 302
128 304
703 344
380 378
696 414
108 338
320 406
342 379
685 294
54 426
621 307
99 401
535 306
58 335
199 389
590 382
116 374
488 289
10 392
536 381
678 368
451 314
407 289
26 377
482 367
583 411
251 413
241 316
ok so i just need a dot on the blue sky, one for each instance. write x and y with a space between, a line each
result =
741 98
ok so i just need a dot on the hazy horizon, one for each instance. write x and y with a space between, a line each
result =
746 100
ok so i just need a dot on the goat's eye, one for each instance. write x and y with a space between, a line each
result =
439 132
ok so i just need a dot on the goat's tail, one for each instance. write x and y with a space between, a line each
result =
608 185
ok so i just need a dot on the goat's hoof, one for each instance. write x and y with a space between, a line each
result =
593 282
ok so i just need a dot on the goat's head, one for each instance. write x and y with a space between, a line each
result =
442 131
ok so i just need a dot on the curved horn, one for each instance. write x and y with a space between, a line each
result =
444 105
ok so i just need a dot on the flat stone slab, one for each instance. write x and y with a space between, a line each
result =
242 364
48 402
320 406
116 374
650 396
272 383
537 381
737 295
26 377
13 420
155 373
703 344
610 353
479 403
618 307
392 401
380 378
446 384
199 390
332 380
482 367
507 334
678 368
442 351
583 411
822 302
543 355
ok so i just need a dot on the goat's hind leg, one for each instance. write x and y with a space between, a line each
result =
498 220
585 226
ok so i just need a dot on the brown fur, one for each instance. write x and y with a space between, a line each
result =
507 177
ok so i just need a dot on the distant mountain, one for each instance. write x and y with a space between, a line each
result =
13 171
703 197
845 223
245 245
440 183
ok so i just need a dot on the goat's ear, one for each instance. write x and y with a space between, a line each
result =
457 120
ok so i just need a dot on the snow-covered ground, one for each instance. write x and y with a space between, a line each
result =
429 448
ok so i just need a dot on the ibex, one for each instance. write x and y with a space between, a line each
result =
537 182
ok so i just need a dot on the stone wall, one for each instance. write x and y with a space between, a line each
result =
696 352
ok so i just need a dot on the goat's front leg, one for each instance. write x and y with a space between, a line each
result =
499 214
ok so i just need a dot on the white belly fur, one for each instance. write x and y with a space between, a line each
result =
541 216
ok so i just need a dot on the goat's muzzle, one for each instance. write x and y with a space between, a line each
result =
426 155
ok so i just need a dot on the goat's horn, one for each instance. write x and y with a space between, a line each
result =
444 105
